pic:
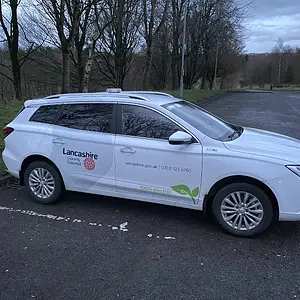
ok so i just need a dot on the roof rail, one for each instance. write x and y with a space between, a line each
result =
97 94
148 93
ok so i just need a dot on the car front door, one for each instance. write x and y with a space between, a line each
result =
147 165
83 146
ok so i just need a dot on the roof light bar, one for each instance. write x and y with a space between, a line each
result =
113 90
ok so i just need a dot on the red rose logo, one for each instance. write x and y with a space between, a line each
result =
89 163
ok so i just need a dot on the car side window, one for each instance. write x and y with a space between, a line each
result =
90 117
143 122
45 114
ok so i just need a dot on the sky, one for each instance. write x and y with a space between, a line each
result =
271 20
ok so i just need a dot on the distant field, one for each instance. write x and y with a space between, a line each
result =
8 112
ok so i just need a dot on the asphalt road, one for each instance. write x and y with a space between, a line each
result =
91 247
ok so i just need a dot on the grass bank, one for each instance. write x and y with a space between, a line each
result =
9 110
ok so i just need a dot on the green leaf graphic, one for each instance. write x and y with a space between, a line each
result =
195 192
181 189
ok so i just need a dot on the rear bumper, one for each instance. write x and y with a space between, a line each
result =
13 166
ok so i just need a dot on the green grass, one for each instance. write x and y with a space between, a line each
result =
196 95
7 113
283 89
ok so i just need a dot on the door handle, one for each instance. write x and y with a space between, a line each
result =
127 150
58 141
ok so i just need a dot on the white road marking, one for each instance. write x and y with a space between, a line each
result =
48 216
121 227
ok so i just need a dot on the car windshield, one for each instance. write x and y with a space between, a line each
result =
205 122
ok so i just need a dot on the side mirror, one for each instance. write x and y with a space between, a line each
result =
180 138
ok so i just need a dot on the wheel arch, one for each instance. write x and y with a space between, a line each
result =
36 157
207 204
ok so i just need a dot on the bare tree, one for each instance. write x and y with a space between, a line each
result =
65 15
90 30
161 59
10 33
279 49
176 25
119 41
154 16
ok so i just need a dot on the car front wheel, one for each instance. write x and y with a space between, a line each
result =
43 182
243 209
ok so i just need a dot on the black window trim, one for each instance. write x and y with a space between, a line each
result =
119 122
114 114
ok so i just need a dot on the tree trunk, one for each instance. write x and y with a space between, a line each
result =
211 83
175 79
80 69
222 84
203 83
65 85
148 62
87 72
16 70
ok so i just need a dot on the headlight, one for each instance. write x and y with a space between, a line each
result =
294 169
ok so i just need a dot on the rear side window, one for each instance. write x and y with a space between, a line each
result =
90 117
45 114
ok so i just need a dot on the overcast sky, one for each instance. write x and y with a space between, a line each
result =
273 19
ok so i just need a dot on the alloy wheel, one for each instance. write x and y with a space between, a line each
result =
242 210
41 183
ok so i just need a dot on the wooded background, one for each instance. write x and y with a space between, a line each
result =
52 46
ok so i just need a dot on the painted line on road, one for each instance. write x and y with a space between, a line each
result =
121 227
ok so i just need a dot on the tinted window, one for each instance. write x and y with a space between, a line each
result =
45 114
144 122
91 117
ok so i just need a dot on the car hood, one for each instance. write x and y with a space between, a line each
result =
266 143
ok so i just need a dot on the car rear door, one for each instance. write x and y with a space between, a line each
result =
147 166
83 146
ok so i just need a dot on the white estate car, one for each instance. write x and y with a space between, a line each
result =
153 147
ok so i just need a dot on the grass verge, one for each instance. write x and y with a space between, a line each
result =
283 89
7 113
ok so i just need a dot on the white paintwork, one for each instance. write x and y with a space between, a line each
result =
149 169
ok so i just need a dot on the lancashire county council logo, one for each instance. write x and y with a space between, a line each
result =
89 163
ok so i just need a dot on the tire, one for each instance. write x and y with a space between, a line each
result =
32 178
239 215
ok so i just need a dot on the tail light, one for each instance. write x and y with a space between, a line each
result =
7 131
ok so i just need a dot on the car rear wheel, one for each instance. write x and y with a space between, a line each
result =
243 209
43 182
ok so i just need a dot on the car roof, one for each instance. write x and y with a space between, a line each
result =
157 98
